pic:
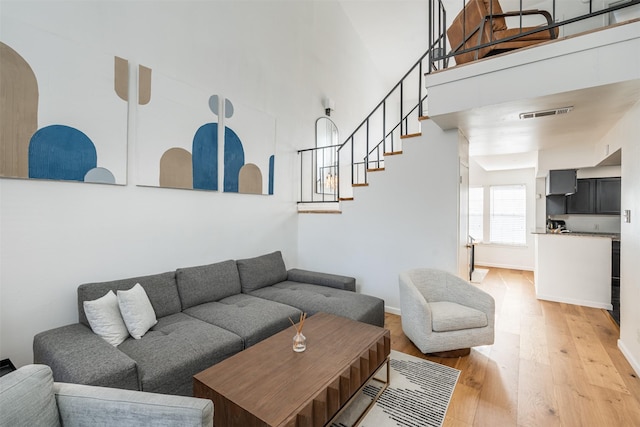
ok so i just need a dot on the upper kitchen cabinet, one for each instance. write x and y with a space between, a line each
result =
596 196
556 205
583 200
608 196
561 182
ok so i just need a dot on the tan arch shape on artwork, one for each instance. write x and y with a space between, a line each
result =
19 112
121 81
250 179
176 169
144 85
121 77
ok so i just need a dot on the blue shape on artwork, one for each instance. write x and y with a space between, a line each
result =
204 157
100 176
61 152
271 173
233 160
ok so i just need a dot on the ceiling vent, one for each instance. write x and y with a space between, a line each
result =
544 113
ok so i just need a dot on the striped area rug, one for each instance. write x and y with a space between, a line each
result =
418 395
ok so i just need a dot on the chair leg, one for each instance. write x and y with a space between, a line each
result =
451 353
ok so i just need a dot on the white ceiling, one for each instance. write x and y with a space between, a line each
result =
499 139
395 34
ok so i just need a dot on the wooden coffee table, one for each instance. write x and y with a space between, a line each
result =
269 384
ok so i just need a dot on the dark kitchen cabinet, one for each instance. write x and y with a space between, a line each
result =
596 196
608 196
583 200
561 182
615 260
615 281
556 205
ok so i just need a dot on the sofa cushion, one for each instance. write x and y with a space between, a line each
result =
314 298
206 283
27 398
258 272
253 319
177 348
449 316
160 288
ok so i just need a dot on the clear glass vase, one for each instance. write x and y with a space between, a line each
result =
299 343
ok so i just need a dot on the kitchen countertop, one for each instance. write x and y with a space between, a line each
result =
612 236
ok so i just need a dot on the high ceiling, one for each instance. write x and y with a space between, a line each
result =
395 34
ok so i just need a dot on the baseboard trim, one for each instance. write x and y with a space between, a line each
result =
479 263
392 310
586 303
627 355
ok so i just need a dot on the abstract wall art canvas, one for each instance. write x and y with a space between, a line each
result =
253 132
61 116
182 131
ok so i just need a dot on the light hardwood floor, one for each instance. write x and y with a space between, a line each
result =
552 364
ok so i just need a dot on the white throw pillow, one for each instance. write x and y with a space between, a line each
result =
137 311
105 319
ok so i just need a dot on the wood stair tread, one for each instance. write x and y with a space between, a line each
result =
393 153
366 184
345 199
375 169
410 135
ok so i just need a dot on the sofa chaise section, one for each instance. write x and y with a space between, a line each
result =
308 291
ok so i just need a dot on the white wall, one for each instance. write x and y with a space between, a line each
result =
625 134
279 57
406 218
503 256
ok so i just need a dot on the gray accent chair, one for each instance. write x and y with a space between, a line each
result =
30 397
443 314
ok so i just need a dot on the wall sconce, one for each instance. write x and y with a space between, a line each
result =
328 104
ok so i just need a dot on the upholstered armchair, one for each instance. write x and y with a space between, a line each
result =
483 21
444 315
30 397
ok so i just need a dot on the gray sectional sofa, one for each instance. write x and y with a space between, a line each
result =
205 314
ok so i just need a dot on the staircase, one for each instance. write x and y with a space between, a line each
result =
394 121
332 206
382 134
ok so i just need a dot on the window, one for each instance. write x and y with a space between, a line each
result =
508 215
476 208
326 157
